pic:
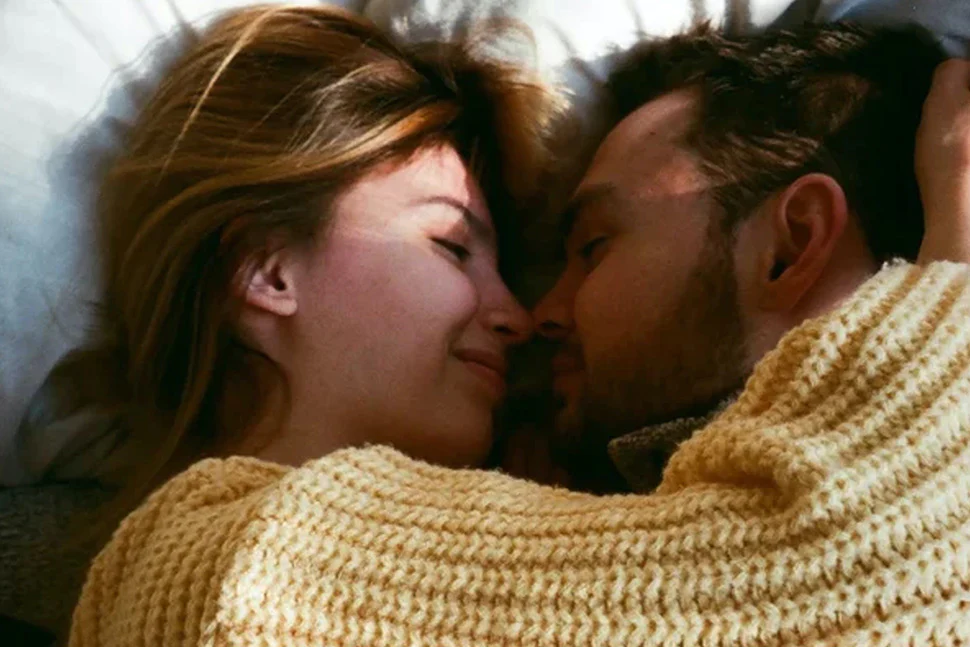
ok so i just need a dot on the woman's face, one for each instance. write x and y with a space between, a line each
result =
403 322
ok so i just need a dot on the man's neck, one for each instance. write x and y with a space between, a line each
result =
641 456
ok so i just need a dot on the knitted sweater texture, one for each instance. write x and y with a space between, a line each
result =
829 505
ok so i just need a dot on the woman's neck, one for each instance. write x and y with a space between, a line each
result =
289 427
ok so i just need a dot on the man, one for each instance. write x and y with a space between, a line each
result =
750 185
829 505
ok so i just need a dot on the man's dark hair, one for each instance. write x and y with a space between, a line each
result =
838 99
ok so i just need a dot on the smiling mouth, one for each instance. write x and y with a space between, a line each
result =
489 368
494 379
487 372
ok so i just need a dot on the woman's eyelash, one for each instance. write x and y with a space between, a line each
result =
461 252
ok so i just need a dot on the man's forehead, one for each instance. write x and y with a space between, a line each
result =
646 153
651 133
668 116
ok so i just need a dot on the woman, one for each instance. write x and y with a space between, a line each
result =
302 238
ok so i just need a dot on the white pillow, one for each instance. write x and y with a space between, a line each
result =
948 19
577 40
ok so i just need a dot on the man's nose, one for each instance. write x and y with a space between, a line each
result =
553 315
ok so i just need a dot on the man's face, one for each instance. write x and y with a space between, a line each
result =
647 307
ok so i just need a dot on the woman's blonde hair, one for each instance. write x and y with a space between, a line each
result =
269 115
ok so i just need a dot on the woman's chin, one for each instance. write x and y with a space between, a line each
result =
466 446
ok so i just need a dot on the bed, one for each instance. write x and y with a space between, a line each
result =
69 70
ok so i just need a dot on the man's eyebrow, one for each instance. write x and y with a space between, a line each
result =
582 199
480 229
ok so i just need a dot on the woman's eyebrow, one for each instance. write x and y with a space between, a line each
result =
480 229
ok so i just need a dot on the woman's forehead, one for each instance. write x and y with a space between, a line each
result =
430 178
436 173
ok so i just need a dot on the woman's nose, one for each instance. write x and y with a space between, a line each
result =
553 315
509 319
513 323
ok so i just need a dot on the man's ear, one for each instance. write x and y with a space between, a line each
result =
807 220
269 285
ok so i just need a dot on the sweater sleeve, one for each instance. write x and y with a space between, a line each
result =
160 574
829 506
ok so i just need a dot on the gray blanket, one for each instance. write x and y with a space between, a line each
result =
45 548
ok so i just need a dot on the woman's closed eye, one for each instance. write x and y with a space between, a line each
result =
459 251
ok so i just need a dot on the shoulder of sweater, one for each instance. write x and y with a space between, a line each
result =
888 365
400 487
217 480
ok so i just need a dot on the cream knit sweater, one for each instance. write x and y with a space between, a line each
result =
830 505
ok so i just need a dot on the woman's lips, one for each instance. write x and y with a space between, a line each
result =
490 367
494 379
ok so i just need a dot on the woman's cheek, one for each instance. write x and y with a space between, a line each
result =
460 295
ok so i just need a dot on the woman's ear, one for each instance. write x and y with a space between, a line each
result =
807 221
269 285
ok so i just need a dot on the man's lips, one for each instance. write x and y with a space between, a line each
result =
568 374
489 359
564 363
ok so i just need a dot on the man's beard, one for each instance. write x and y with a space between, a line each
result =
696 360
